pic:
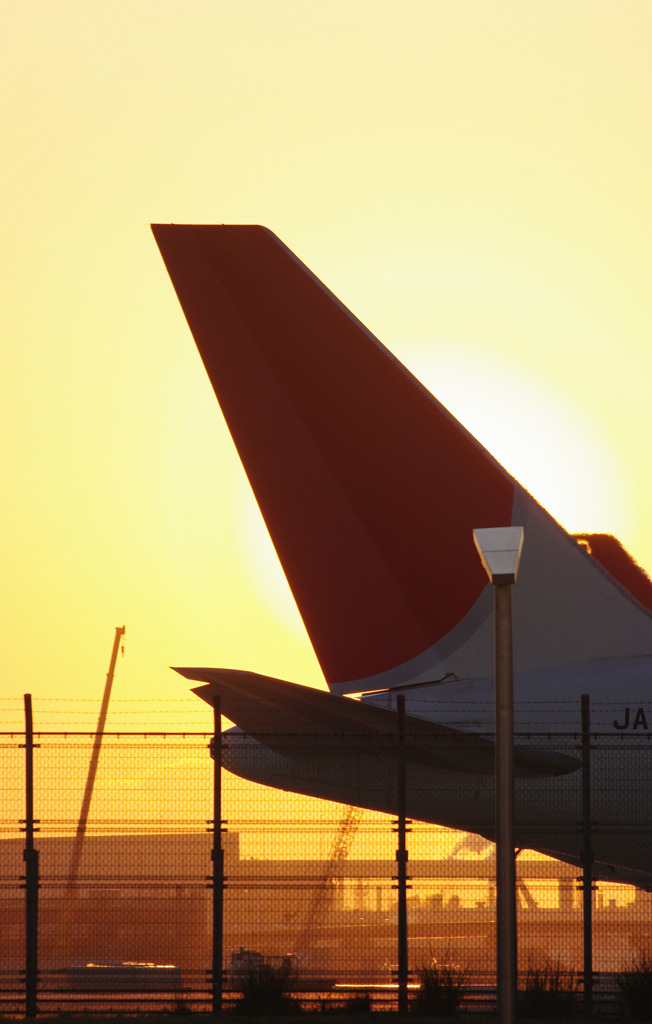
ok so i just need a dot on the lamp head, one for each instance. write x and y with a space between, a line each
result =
500 552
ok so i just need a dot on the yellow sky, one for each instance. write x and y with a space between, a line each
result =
471 178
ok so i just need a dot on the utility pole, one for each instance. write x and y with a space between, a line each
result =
500 551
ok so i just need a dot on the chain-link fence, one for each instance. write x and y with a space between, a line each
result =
127 914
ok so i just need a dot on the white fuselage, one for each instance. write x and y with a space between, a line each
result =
548 809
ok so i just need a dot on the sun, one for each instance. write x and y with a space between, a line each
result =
551 444
261 564
545 438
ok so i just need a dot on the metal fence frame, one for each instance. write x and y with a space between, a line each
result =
212 989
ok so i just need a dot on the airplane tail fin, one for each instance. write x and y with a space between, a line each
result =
370 489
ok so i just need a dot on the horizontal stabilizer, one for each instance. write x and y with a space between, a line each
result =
288 717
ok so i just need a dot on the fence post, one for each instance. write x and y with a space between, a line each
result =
587 855
401 863
217 856
30 856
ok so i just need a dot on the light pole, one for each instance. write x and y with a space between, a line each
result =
500 552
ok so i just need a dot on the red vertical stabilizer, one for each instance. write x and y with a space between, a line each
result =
369 488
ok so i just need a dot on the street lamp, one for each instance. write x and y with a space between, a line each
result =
500 552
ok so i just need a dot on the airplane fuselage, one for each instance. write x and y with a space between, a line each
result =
548 809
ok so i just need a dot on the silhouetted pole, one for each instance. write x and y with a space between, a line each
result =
401 863
500 552
587 854
30 856
217 977
505 860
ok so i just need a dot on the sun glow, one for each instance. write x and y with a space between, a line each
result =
552 445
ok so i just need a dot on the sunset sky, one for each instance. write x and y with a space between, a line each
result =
471 178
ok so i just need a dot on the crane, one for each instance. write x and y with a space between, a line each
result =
325 889
95 756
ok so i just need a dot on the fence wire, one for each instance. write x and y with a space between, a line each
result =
125 899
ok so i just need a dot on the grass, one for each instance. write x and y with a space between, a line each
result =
549 991
442 988
264 990
636 988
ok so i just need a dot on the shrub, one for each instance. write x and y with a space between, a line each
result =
636 988
264 989
442 988
548 991
358 1004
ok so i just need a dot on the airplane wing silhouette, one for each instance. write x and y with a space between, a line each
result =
286 717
